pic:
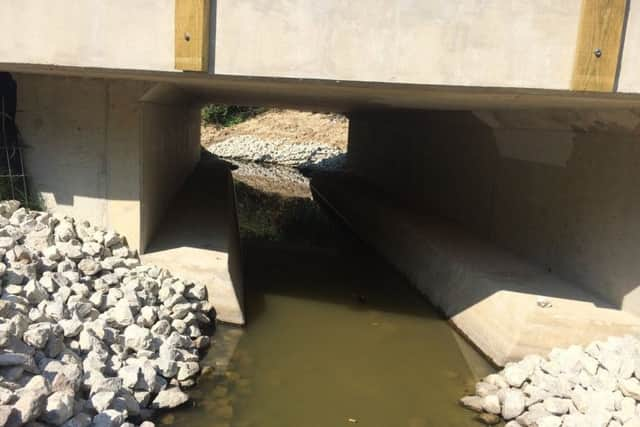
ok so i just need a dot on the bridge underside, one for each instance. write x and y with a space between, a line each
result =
547 177
344 96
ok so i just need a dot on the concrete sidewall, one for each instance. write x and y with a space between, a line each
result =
557 187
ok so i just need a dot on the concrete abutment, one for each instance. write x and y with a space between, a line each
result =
113 152
488 211
117 153
547 197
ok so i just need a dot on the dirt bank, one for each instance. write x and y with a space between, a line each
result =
286 127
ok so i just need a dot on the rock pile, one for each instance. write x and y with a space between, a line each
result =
595 386
88 335
304 156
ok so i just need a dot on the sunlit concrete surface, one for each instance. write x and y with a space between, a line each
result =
507 307
198 239
101 150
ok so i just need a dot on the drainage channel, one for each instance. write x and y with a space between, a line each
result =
334 335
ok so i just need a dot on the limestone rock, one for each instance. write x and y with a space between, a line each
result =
137 337
109 418
89 266
86 329
80 420
513 404
59 407
169 399
30 405
491 404
630 387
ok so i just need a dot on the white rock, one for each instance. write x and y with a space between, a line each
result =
129 375
513 404
64 232
37 335
630 387
111 239
52 253
92 249
515 375
633 422
30 405
137 337
59 407
121 314
491 404
102 400
35 292
148 379
109 418
148 314
168 368
556 406
171 398
89 267
549 421
162 327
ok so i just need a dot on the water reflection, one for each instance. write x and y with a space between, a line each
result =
335 337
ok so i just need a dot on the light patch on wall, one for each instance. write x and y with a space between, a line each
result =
546 147
630 302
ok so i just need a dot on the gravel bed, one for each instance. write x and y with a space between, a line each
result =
594 386
304 156
88 335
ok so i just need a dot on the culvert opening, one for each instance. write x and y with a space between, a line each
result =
334 335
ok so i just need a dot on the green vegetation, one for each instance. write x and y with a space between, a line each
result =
228 115
269 216
34 202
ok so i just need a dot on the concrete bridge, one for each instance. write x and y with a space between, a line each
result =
494 145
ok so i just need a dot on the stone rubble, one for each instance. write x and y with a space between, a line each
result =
88 335
594 386
304 156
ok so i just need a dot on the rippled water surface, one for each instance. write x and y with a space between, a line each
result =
335 337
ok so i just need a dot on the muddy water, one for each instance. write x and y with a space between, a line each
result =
335 337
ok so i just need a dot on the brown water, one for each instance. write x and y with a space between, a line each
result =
335 337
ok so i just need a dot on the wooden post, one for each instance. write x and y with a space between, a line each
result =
192 35
599 45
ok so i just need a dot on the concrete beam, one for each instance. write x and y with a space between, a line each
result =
344 96
520 44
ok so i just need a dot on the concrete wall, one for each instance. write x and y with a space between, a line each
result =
106 151
558 187
125 34
481 43
83 151
519 43
629 78
170 151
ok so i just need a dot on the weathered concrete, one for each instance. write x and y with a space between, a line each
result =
489 294
93 33
557 187
629 79
83 151
170 152
101 149
199 239
518 44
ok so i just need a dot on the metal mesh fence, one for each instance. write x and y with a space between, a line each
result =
13 178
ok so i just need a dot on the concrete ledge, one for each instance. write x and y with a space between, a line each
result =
198 239
490 295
